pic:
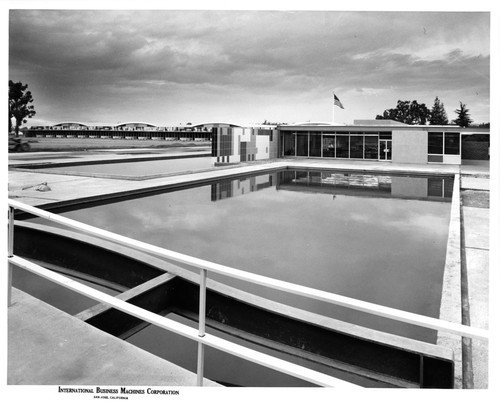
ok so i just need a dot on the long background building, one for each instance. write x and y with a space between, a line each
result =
131 130
383 140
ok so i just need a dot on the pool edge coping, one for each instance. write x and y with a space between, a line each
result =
451 303
178 181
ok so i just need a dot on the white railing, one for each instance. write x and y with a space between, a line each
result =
199 335
205 266
186 331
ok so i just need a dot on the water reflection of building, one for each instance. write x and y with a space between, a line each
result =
343 183
237 187
361 184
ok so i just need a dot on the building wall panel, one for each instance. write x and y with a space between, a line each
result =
452 159
273 144
262 144
409 146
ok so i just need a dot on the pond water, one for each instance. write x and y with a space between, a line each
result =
381 239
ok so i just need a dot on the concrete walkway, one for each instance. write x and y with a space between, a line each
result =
103 155
476 181
49 347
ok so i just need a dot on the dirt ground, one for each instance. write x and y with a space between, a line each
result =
82 144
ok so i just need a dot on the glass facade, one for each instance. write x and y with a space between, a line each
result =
356 147
342 144
315 145
371 147
302 144
288 144
329 146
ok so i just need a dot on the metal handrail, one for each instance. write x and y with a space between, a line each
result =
367 307
184 330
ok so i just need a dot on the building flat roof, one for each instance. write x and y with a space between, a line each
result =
377 128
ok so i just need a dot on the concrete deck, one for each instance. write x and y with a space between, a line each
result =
49 347
104 155
66 189
477 245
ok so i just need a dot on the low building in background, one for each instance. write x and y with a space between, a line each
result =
127 131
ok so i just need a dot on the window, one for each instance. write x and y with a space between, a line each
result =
329 146
315 144
302 144
371 147
356 146
452 143
289 144
440 144
342 145
435 143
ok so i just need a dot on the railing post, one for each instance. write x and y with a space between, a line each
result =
201 326
10 253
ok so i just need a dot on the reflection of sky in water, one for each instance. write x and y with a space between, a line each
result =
143 168
383 250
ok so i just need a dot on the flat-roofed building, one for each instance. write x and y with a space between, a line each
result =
382 140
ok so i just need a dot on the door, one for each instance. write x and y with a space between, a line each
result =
385 150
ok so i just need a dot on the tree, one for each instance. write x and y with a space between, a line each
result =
407 112
20 104
463 119
438 114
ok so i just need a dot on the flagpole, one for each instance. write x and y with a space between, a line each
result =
333 108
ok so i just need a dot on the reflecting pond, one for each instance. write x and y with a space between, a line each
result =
377 238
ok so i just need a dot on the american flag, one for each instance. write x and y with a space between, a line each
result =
336 102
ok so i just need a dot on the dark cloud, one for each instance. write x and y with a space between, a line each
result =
163 53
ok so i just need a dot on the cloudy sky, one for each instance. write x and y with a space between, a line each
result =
171 67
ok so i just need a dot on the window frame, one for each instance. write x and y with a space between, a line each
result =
438 157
